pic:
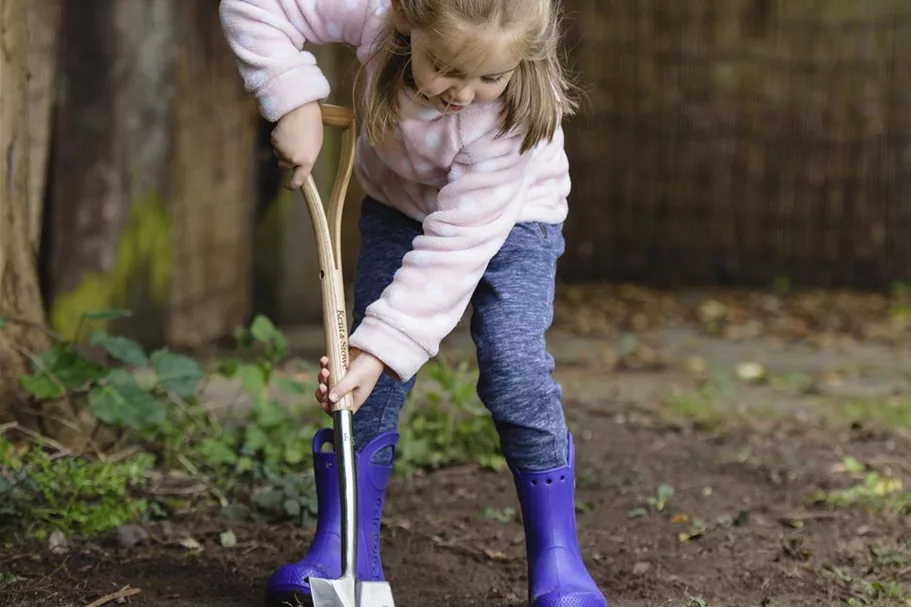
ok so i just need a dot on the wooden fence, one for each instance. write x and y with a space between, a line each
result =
724 141
741 141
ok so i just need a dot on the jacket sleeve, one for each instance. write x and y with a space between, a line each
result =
476 211
268 36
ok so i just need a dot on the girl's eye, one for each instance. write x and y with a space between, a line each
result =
492 79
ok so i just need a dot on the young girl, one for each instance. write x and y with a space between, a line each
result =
461 156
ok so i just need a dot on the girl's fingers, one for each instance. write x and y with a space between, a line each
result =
322 395
299 177
322 391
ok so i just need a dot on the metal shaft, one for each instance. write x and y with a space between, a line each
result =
347 481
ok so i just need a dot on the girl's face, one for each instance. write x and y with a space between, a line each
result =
453 73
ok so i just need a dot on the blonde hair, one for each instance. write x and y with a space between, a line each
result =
537 97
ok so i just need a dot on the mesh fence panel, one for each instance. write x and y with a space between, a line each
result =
741 142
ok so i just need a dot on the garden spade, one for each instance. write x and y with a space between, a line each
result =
346 591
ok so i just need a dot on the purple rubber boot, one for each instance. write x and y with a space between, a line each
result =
289 584
557 576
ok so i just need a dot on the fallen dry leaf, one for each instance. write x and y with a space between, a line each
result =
496 555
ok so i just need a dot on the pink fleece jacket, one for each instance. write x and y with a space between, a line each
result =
452 173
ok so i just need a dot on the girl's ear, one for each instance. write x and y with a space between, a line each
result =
398 18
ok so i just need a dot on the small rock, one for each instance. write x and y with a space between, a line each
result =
130 535
58 543
751 372
712 310
227 539
696 364
189 543
640 568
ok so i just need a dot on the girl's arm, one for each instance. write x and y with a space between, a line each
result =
267 37
429 294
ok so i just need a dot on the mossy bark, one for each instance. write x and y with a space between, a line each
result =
20 297
152 176
112 166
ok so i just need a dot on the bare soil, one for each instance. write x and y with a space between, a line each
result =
742 528
440 549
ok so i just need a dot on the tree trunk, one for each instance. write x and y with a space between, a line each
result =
20 297
44 30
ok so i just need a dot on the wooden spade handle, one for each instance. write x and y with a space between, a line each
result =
327 230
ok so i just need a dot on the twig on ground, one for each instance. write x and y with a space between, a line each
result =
60 420
42 440
810 516
124 454
222 500
15 557
185 409
64 395
120 594
181 491
482 555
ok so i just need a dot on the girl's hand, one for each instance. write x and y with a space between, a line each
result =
296 141
363 373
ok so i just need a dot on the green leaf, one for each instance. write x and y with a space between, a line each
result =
280 344
123 349
294 453
243 337
40 386
292 508
252 379
244 464
262 329
109 314
2 322
216 452
236 512
229 366
119 401
177 373
254 439
270 500
291 386
269 415
61 366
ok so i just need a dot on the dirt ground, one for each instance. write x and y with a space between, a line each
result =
744 527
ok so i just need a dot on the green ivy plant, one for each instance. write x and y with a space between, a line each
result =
257 463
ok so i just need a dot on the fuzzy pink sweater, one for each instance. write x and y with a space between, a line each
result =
466 186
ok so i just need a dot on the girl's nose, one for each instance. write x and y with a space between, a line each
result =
463 96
